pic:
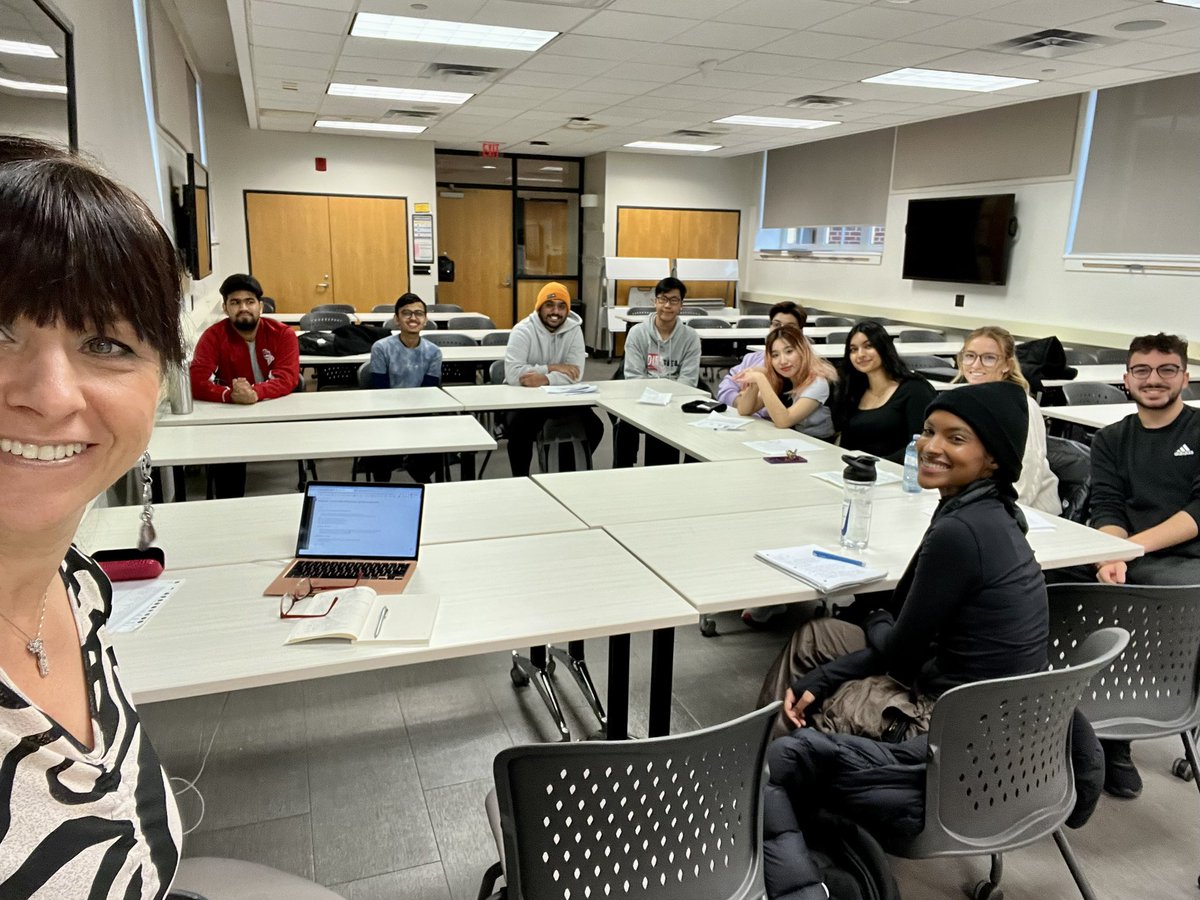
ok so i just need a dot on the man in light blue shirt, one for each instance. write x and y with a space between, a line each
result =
404 359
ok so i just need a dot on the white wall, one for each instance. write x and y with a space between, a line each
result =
38 117
1042 296
242 159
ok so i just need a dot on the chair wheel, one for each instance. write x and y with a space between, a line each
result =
708 627
985 890
519 678
1181 768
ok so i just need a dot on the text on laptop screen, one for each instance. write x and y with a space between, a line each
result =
364 520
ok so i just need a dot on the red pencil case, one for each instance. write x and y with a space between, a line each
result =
131 564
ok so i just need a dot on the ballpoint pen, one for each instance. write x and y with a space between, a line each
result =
379 624
824 554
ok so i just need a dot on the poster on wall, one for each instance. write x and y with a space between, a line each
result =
422 238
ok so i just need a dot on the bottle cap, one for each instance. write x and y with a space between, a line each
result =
859 469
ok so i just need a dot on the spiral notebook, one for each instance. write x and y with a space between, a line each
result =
824 574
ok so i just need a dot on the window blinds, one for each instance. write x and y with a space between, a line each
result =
841 181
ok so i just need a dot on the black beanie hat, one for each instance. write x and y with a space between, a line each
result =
240 283
998 413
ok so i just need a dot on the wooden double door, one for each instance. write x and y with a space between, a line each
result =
308 249
676 234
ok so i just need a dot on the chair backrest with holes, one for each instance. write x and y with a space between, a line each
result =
999 774
671 818
1153 689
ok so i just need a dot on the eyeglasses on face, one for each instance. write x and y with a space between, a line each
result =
412 313
1166 370
669 301
969 358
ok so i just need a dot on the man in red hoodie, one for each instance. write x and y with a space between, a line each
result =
243 359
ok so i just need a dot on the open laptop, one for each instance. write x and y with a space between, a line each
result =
365 531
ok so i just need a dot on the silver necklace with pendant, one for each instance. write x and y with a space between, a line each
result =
34 643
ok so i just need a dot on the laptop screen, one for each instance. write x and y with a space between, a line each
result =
367 520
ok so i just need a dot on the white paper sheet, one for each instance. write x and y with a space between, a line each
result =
581 388
719 422
654 398
781 446
134 602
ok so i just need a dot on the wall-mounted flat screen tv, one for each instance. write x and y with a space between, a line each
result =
960 239
193 232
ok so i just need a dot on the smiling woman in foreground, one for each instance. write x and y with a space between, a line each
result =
89 316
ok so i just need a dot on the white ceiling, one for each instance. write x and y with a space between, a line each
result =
633 66
22 20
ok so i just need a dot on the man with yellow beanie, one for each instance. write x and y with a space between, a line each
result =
546 347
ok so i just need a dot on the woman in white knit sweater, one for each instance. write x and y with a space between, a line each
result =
989 354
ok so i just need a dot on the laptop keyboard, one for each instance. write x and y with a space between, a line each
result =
333 568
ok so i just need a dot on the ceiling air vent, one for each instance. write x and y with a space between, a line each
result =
289 85
696 133
577 4
423 114
461 73
1052 43
816 101
583 123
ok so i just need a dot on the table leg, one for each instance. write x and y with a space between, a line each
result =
466 469
618 687
662 667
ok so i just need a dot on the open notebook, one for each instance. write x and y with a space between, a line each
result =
362 616
826 575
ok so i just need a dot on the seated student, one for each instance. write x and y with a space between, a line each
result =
882 402
546 347
661 347
405 360
243 359
971 604
791 388
783 313
1146 489
989 354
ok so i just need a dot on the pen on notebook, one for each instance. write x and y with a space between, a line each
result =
379 624
824 554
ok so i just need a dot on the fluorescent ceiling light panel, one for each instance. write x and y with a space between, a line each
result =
389 93
24 48
370 126
459 34
33 86
948 81
667 145
1194 4
773 122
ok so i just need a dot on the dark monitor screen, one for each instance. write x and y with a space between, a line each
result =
960 239
193 229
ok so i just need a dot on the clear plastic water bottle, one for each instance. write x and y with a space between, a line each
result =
858 481
909 482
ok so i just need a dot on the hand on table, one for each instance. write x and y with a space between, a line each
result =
570 371
534 379
242 392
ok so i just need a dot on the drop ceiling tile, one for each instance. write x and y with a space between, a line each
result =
615 24
1189 38
1106 77
985 63
772 64
895 92
1188 62
289 39
886 120
303 88
793 13
898 54
798 87
454 10
958 7
1041 14
732 37
1130 53
569 65
269 70
692 9
278 57
394 67
299 18
836 70
732 80
968 34
375 48
346 5
282 100
691 56
650 102
544 79
880 23
646 70
689 92
1042 89
619 86
601 48
543 16
520 91
819 46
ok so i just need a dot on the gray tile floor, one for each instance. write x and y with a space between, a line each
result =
373 783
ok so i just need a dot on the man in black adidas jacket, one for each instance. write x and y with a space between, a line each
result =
1146 487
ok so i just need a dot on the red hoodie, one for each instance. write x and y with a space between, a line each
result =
222 355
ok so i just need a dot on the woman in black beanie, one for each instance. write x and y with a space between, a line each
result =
971 604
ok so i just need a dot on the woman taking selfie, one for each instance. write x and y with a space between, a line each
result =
89 317
791 386
882 402
989 354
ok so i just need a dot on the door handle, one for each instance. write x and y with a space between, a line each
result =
507 282
322 284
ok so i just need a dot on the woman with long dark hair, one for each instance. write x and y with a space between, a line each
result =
882 401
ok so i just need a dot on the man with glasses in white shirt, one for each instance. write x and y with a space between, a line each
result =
1146 488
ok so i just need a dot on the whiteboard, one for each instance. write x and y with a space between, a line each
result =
706 269
638 268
